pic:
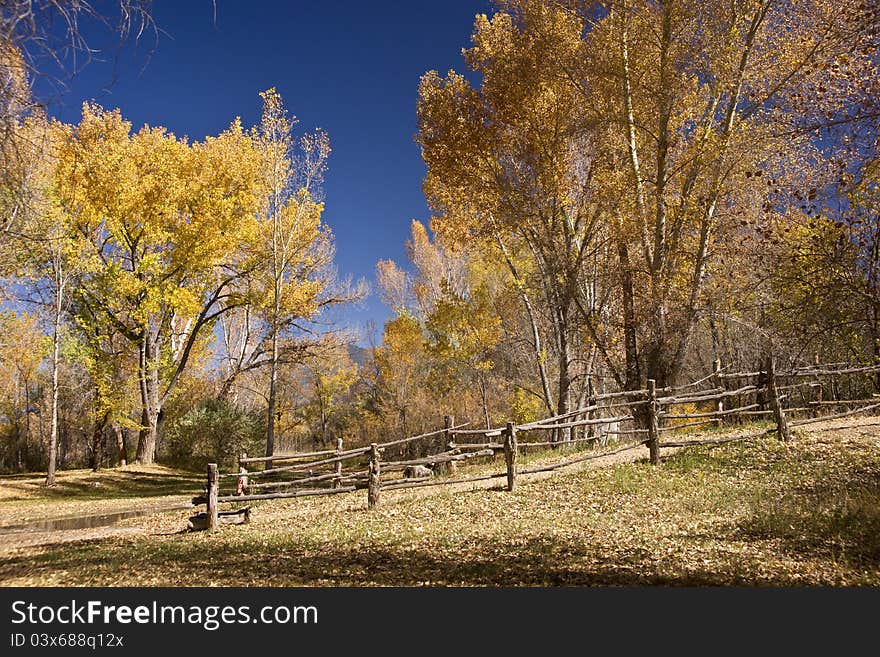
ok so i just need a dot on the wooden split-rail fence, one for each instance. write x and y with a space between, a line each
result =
633 418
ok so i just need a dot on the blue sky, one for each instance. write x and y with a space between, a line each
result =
351 68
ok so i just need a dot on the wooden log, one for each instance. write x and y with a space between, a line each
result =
328 483
545 423
831 372
374 484
788 411
332 476
812 370
696 396
685 425
653 423
564 416
200 521
300 475
550 443
740 375
708 377
242 484
488 433
213 493
629 403
706 397
510 455
775 404
842 402
479 446
590 431
711 414
622 393
345 456
794 386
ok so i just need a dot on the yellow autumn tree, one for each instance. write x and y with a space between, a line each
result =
511 170
612 154
166 228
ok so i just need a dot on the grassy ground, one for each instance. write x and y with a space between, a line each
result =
24 498
759 513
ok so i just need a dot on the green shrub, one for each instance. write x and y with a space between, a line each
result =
213 432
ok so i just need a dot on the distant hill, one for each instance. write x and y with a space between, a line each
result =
358 355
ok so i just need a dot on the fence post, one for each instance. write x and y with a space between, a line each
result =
719 383
373 483
773 393
338 481
213 493
242 484
510 454
451 467
653 425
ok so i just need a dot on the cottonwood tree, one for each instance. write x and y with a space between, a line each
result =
715 111
826 276
625 143
511 166
295 279
166 228
299 249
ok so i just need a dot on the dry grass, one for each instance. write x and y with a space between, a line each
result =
760 513
24 498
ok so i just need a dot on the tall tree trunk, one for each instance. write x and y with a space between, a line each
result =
27 417
98 440
629 115
564 383
485 400
533 324
56 344
151 411
273 392
633 371
324 423
121 451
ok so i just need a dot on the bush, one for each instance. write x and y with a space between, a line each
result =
213 432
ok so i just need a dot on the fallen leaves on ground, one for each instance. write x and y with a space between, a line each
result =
759 513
